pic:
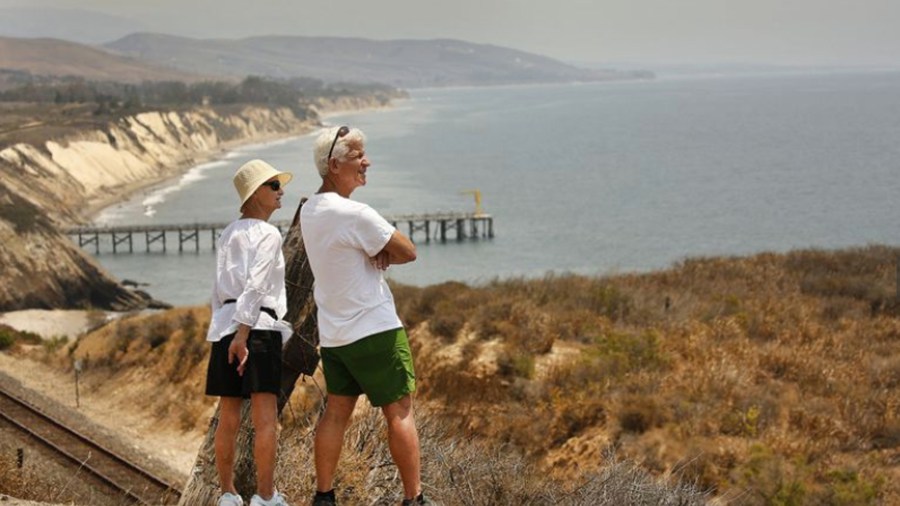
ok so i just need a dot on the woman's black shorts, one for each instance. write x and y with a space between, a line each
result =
263 371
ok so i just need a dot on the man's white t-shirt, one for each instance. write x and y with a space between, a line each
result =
353 299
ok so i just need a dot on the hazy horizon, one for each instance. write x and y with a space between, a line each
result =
655 32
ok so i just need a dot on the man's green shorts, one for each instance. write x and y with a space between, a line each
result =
379 366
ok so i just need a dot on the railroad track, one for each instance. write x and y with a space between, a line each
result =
134 483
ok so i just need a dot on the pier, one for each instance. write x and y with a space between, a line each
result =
439 227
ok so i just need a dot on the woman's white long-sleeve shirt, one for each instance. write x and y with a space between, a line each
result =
249 269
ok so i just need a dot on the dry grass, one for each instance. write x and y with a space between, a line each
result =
24 483
34 123
44 481
165 354
771 379
460 470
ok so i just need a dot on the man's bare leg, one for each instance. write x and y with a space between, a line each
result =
330 438
403 441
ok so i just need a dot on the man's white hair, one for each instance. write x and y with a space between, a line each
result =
341 147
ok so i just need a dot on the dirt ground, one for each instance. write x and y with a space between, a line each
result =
168 452
176 449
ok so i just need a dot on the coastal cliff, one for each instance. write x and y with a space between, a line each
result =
63 180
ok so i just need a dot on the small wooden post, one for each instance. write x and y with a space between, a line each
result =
20 458
77 373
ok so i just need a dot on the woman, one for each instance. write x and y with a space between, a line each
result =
246 330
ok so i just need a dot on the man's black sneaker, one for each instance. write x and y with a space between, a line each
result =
324 499
420 500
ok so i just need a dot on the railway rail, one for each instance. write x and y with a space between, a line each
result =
135 484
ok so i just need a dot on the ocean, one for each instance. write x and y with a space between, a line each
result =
591 179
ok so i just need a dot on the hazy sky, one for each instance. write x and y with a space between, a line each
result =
804 32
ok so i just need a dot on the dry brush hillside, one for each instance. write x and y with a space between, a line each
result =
770 379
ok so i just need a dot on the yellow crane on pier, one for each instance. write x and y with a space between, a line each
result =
477 193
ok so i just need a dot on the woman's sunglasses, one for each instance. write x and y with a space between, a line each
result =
274 185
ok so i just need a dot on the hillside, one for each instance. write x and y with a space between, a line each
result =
68 149
54 57
60 178
771 379
402 63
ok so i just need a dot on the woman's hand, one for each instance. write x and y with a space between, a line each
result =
237 350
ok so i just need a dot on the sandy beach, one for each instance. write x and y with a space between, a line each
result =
96 205
99 203
52 323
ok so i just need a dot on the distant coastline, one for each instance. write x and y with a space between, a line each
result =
97 206
95 209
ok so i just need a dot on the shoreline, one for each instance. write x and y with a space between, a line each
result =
94 207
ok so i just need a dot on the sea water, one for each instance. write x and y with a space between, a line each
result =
584 178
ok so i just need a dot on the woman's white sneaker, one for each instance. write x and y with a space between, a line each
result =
276 500
229 499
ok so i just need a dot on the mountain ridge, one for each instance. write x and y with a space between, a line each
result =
57 57
408 63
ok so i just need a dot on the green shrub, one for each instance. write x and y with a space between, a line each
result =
771 479
55 343
607 300
849 488
517 363
622 352
10 336
7 339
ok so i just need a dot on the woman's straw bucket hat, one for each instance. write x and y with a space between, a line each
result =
253 174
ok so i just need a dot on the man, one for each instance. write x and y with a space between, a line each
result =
364 348
246 330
